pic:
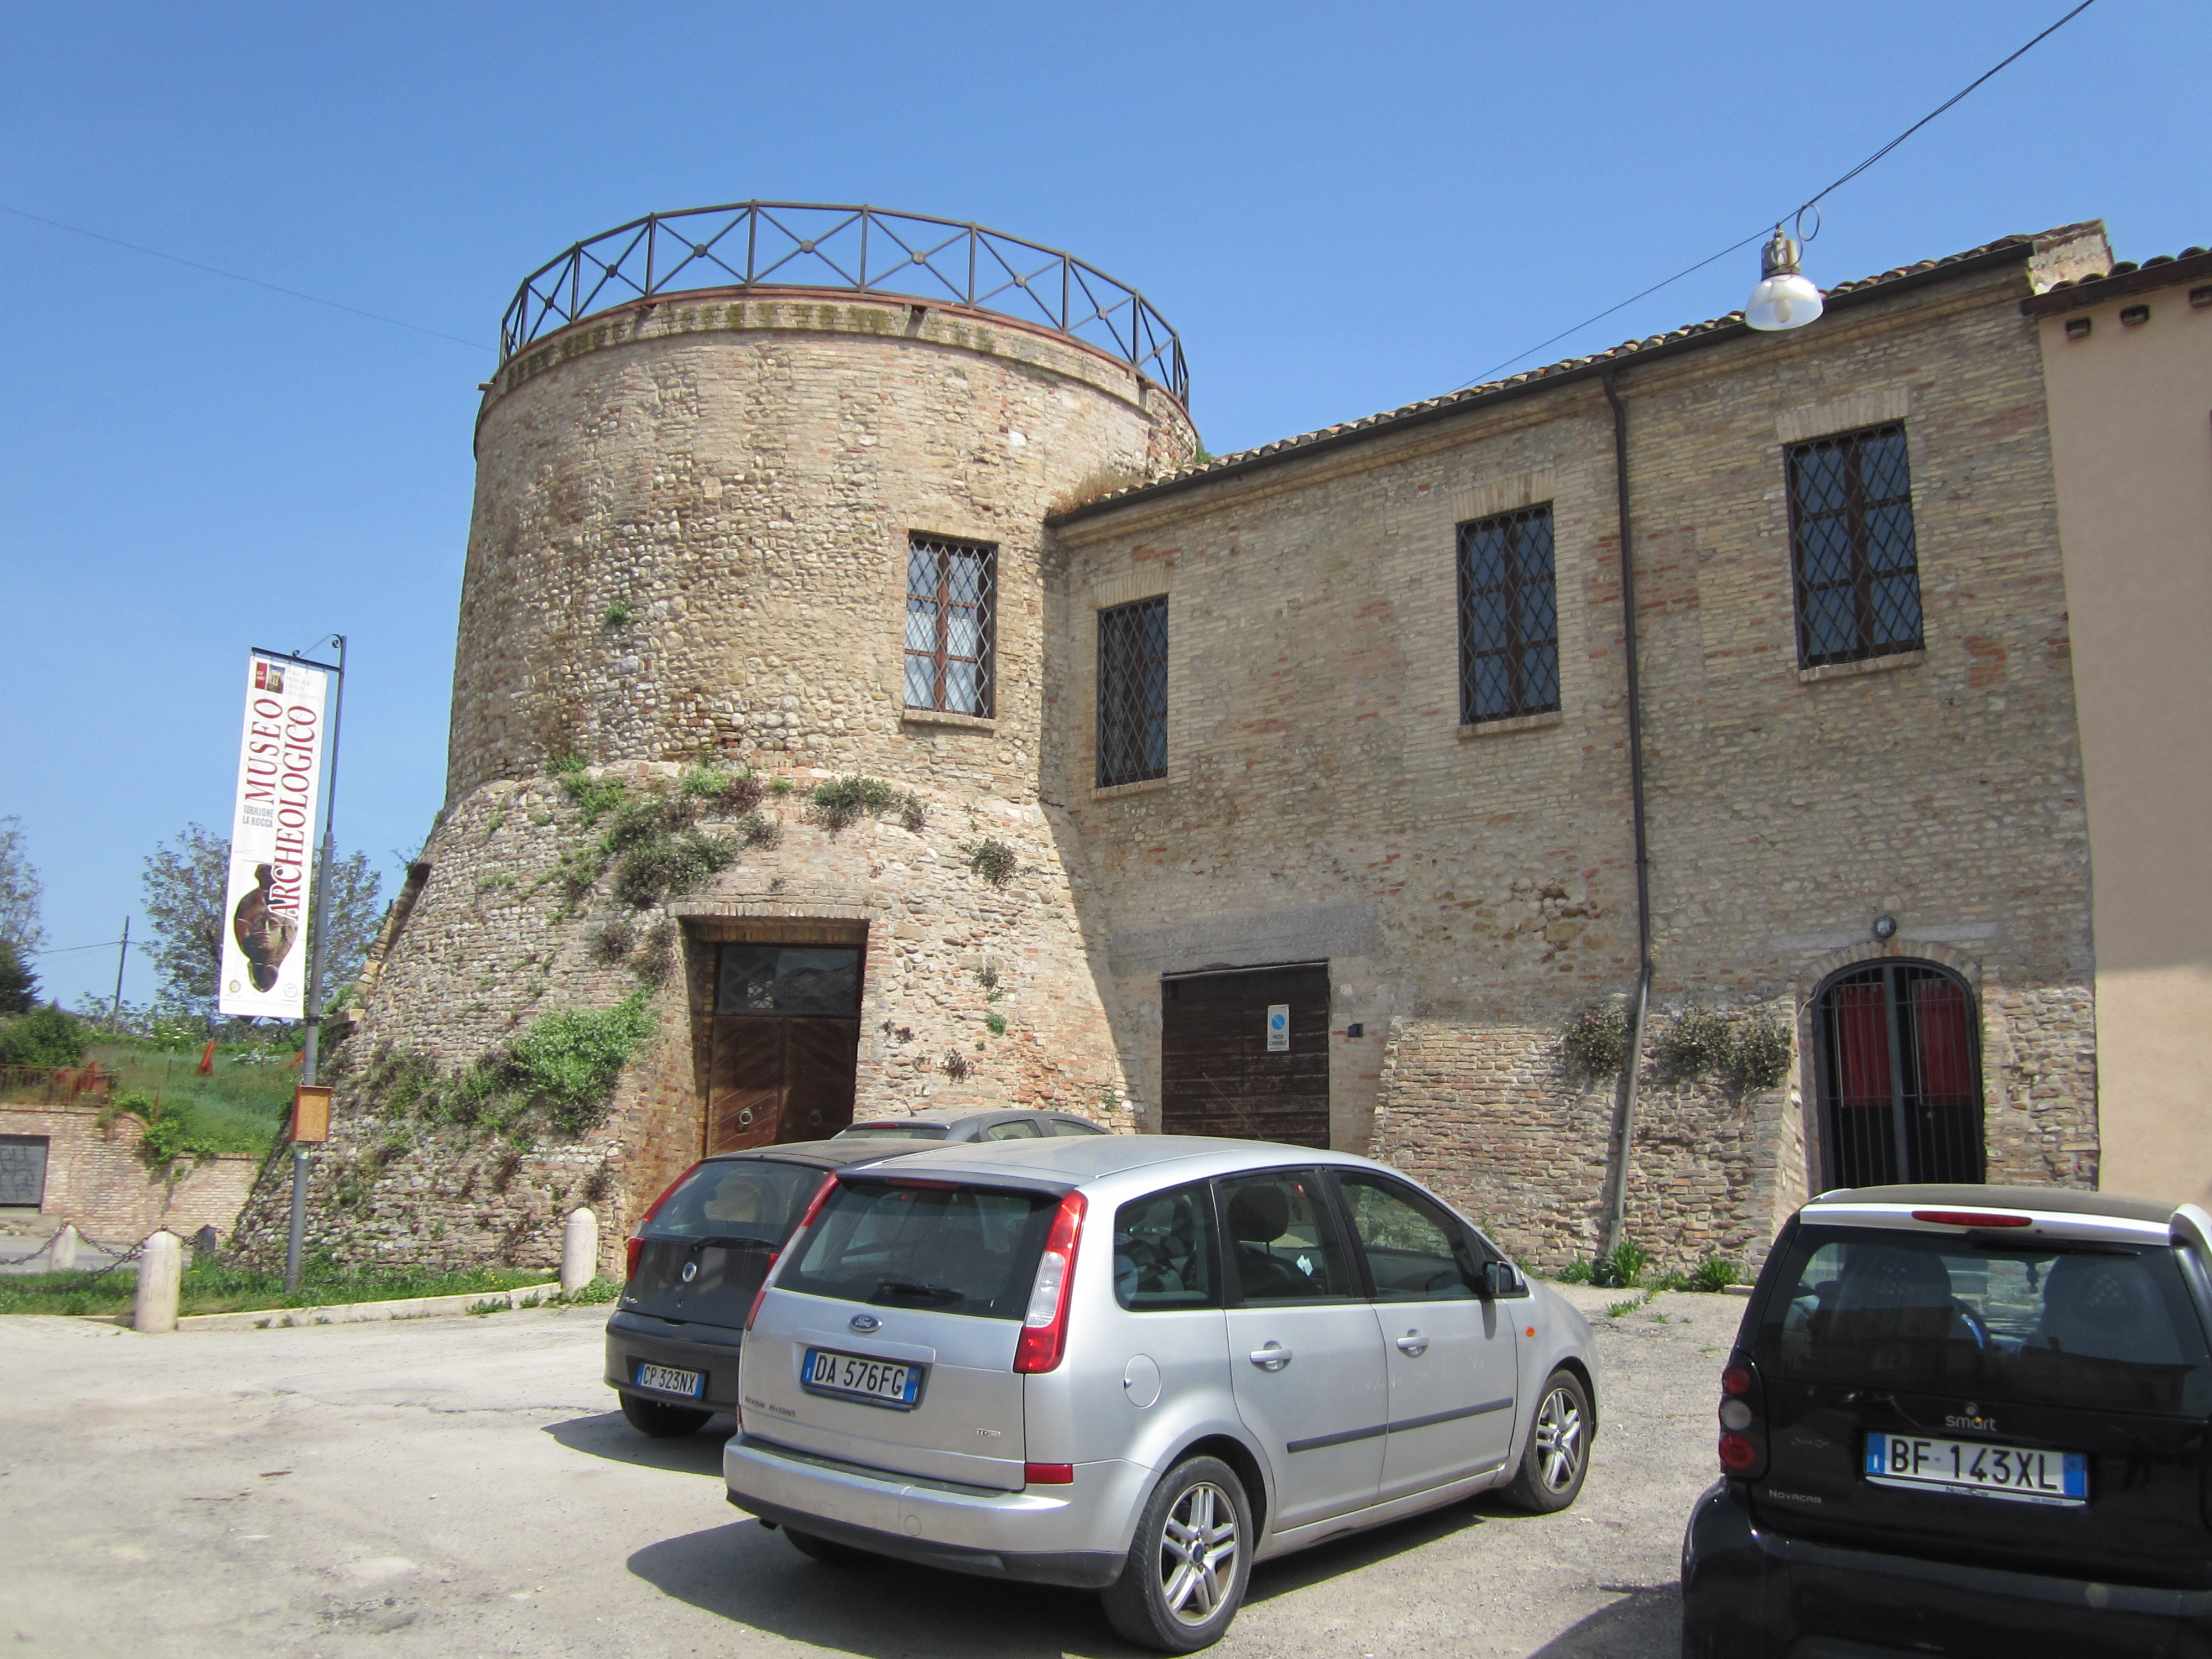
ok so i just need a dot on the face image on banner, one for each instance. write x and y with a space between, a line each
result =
280 766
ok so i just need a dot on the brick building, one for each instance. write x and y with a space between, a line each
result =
1309 771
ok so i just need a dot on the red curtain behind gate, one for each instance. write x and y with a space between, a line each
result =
1947 1043
1861 1044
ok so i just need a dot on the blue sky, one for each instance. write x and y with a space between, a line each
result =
1342 208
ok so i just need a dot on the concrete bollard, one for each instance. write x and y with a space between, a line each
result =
580 1249
161 1277
61 1252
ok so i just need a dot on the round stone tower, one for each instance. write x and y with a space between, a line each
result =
750 714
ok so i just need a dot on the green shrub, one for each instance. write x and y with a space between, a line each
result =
845 801
1621 1267
1759 1056
610 941
992 860
1595 1043
912 813
653 869
733 791
1695 1044
996 1023
45 1036
594 797
1575 1272
573 1060
1714 1273
656 955
757 830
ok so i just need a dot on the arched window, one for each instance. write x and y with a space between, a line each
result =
1900 1075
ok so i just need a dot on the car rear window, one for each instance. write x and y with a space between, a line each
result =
893 1131
1068 1126
757 1199
947 1249
2036 1322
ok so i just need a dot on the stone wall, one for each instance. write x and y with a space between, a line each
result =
1317 769
96 1180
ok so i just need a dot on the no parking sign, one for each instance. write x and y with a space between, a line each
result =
1279 1028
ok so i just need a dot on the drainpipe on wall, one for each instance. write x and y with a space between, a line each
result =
1624 1114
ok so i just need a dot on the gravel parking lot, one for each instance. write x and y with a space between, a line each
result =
464 1486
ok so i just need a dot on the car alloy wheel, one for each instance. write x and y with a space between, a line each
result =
1189 1562
1198 1552
1557 1456
1559 1444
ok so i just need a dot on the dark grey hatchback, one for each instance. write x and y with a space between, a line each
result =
697 1261
1965 1421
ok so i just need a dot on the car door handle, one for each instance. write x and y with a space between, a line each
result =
1413 1343
1272 1358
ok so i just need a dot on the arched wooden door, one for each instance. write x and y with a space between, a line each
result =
1900 1076
786 1044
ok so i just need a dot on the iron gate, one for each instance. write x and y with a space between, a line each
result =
1900 1076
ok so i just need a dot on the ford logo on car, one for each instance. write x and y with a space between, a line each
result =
864 1322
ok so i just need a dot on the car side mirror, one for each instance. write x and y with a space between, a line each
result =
1502 1279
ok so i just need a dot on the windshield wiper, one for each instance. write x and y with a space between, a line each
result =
929 1293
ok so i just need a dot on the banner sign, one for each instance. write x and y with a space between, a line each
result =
272 835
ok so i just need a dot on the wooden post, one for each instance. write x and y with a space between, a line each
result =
580 1249
160 1278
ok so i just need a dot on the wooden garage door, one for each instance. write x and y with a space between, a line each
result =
1217 1076
786 1044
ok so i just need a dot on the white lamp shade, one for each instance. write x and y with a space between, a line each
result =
1785 300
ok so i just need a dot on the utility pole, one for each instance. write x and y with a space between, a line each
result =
318 955
115 1008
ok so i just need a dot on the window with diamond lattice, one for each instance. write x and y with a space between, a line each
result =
1133 693
1509 618
1850 533
948 624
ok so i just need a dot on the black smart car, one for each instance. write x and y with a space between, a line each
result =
1966 1421
697 1261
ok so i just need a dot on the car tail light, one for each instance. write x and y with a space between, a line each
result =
1971 1218
1044 1326
1049 1474
768 1272
1743 1421
635 1245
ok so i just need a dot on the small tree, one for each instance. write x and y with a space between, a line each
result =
19 986
20 889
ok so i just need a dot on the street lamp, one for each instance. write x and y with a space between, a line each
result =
1783 299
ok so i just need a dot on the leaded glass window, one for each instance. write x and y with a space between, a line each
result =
1133 693
948 624
1508 617
1850 533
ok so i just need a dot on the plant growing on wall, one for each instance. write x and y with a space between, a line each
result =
1747 1055
611 941
991 858
572 1059
1759 1057
1595 1045
656 955
842 802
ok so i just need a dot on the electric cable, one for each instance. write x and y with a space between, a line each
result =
1811 200
254 282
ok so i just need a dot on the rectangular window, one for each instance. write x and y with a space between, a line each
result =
1133 693
1851 536
950 604
1509 618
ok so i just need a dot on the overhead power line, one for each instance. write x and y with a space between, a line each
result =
1811 200
251 282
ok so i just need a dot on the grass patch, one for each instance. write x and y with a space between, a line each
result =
220 1289
239 1107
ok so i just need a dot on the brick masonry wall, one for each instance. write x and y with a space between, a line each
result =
743 477
1317 767
96 1180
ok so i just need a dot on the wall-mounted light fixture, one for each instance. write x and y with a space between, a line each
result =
1885 927
1783 299
2077 328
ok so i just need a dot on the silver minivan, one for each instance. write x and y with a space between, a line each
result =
1139 1364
